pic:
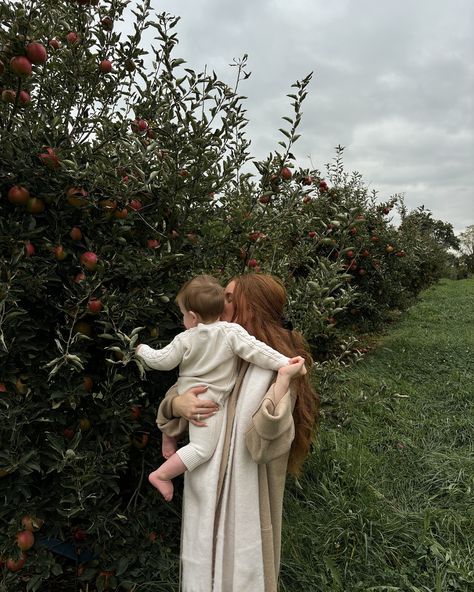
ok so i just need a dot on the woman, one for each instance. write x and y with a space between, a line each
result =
232 505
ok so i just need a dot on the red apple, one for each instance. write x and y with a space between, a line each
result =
54 43
89 260
75 233
183 173
24 98
350 254
94 305
286 173
107 23
139 125
386 211
15 565
130 66
374 238
311 234
59 252
105 66
135 204
3 388
152 243
35 205
72 38
307 199
307 180
18 194
252 263
25 539
36 53
264 199
323 186
78 278
135 411
49 158
69 433
21 66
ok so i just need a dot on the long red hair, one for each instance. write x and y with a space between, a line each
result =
259 305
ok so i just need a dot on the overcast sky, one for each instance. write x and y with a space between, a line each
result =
393 82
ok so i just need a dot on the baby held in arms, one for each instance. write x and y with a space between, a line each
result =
207 354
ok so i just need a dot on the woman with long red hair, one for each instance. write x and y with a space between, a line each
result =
232 505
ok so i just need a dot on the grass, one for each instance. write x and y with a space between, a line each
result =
387 499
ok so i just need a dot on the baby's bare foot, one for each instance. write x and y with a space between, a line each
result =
165 487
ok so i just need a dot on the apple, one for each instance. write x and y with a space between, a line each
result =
400 253
72 38
84 424
308 180
311 234
88 383
121 214
25 539
374 238
77 197
264 199
94 305
49 158
350 254
79 535
150 134
83 328
107 23
386 211
152 536
365 253
89 260
54 43
353 230
362 271
152 243
3 388
135 204
75 233
35 205
307 199
323 186
24 98
69 433
139 125
252 263
36 53
21 66
135 411
105 66
59 252
183 173
286 173
15 565
18 194
8 95
78 278
389 249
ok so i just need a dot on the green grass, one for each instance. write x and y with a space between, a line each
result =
387 499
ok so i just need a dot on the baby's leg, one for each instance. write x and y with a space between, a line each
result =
168 446
161 478
202 441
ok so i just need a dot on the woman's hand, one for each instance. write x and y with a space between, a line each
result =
192 408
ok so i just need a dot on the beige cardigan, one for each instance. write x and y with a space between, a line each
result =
268 436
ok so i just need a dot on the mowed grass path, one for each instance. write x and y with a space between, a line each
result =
387 499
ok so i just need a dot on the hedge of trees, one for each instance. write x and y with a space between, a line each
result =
120 178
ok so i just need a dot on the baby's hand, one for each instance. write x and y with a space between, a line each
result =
295 367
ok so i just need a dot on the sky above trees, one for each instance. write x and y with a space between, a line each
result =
393 83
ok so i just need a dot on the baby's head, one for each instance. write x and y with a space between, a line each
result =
201 300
